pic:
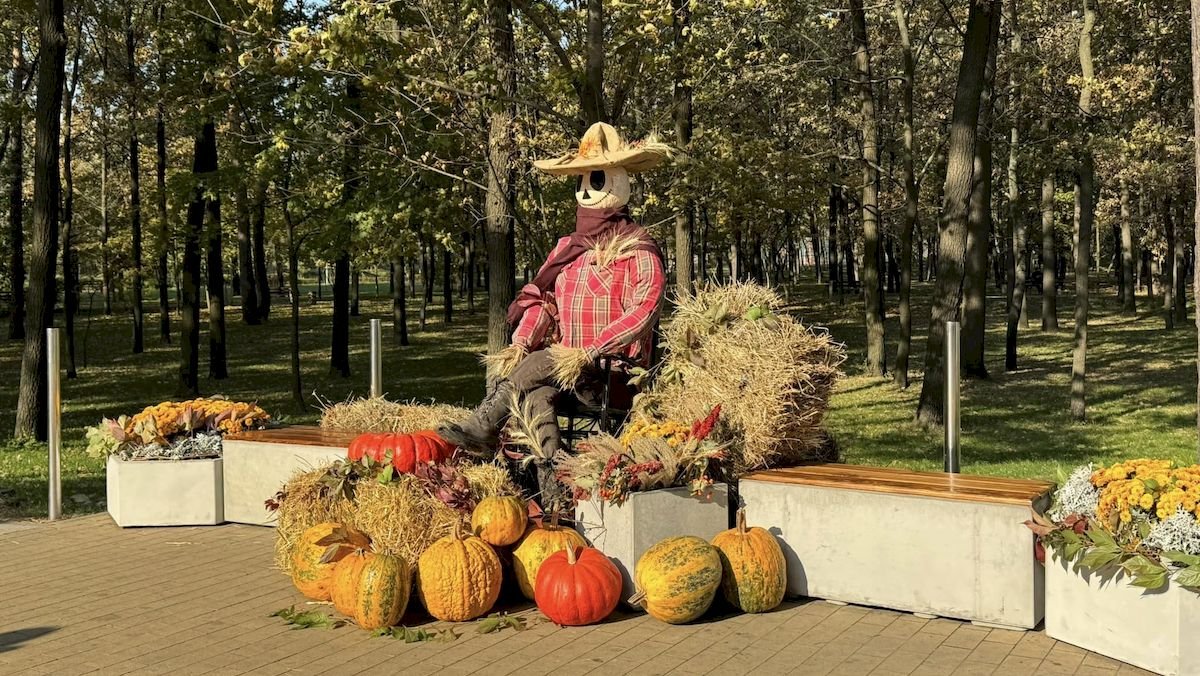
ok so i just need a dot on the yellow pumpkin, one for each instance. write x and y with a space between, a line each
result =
500 520
343 589
538 543
311 575
458 577
754 572
382 591
677 579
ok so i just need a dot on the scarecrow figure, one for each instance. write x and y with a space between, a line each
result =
598 293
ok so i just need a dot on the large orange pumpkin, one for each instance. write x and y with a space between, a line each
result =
458 577
574 589
316 554
754 571
343 588
406 450
538 543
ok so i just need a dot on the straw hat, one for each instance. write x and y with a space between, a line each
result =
603 148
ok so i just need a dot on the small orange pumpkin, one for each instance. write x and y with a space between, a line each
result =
500 520
538 543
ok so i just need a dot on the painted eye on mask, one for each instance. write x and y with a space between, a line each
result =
596 180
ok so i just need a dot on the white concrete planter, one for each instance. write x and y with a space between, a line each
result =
256 470
165 492
970 560
625 532
1102 612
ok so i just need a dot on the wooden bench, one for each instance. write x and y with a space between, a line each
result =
258 463
927 542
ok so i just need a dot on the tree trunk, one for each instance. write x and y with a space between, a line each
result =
1181 264
293 247
681 21
591 93
947 292
218 368
246 277
16 199
876 363
135 183
1195 54
399 305
339 353
106 280
1129 287
911 201
979 226
47 188
447 286
1086 185
204 166
1168 266
258 226
70 262
1015 238
1049 253
355 290
162 275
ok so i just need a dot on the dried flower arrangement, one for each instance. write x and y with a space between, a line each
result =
174 430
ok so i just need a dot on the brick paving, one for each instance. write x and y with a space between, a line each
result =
85 597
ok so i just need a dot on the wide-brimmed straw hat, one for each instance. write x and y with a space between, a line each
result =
603 148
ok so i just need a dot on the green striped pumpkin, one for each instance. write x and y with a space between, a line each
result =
677 579
755 572
383 590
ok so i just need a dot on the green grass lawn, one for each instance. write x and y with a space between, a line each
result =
1141 388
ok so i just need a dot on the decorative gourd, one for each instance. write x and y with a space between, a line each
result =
577 586
500 520
317 552
538 543
343 589
458 577
384 585
407 450
677 579
754 572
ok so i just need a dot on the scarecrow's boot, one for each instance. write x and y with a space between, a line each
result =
479 434
551 490
549 440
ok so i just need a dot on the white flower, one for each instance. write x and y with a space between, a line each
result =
1077 495
1178 533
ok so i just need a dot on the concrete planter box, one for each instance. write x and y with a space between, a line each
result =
625 532
257 464
1102 612
918 542
165 492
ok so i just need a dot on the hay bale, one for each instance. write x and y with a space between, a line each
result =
377 414
771 374
306 503
489 480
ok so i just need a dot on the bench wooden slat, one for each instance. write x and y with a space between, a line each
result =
968 488
302 435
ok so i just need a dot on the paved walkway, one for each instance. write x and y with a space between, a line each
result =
83 596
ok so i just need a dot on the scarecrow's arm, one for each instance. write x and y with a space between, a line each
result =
540 313
638 318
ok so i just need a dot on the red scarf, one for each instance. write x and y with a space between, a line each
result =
591 227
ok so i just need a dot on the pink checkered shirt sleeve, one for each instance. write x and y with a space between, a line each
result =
539 316
638 318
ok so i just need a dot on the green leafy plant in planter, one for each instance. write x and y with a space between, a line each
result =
1139 517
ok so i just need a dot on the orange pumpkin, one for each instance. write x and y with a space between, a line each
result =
405 450
538 543
577 589
316 554
500 520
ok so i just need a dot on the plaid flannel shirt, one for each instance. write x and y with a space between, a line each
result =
609 310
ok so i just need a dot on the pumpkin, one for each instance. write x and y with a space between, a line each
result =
407 450
535 546
500 520
754 572
677 579
343 588
382 592
317 552
458 577
577 589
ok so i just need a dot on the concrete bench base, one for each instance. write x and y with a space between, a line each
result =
257 464
904 541
1102 612
164 492
624 532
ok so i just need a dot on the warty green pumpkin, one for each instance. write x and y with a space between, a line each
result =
382 592
677 579
754 572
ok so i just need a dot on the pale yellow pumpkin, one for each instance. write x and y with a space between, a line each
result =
677 579
538 543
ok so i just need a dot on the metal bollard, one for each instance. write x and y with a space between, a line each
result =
54 423
376 358
951 421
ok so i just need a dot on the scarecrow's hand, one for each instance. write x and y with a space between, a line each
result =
569 363
505 361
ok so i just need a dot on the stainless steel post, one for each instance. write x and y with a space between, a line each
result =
951 421
376 358
54 422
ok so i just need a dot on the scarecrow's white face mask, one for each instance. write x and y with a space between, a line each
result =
603 188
